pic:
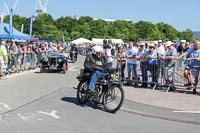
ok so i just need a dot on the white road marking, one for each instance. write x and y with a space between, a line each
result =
191 112
4 107
28 117
52 114
73 68
24 118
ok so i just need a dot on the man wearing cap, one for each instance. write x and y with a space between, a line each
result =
181 47
161 48
156 44
169 64
143 64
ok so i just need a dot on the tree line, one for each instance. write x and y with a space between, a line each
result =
72 28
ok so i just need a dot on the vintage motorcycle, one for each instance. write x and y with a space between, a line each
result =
108 91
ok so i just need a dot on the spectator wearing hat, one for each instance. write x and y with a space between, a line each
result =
169 64
161 48
180 50
181 47
152 56
156 44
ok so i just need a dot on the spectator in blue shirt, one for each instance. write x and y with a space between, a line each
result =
152 56
193 68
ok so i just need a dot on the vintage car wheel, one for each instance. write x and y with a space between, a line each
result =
65 68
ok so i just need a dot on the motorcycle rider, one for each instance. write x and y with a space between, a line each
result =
96 64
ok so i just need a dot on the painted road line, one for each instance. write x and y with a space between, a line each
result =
191 112
4 107
73 68
52 114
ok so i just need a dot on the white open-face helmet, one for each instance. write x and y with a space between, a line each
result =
96 49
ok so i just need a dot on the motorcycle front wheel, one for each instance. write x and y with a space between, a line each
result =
82 96
113 99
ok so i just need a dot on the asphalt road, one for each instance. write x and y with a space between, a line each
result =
46 103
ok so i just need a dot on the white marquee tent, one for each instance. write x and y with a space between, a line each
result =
81 41
100 41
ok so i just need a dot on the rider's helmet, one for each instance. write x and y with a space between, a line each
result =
97 49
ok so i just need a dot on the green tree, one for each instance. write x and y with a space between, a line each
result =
167 31
87 27
147 31
187 35
121 29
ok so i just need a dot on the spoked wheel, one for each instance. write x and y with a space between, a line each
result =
113 99
64 68
82 95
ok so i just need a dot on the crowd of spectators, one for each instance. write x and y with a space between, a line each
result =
154 59
19 57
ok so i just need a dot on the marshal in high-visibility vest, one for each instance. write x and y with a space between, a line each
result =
1 54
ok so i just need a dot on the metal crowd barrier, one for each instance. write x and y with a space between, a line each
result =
160 74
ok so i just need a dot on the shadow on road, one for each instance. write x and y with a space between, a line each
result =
71 62
88 104
49 72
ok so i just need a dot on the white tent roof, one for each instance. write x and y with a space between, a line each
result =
81 41
97 40
117 41
100 40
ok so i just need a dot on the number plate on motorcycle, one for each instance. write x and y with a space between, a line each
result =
114 76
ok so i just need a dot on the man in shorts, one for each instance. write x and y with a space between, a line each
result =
169 64
193 68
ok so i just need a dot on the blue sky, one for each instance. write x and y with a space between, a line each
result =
181 14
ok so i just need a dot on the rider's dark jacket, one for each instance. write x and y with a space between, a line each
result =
93 63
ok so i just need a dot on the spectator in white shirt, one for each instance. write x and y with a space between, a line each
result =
161 48
132 62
